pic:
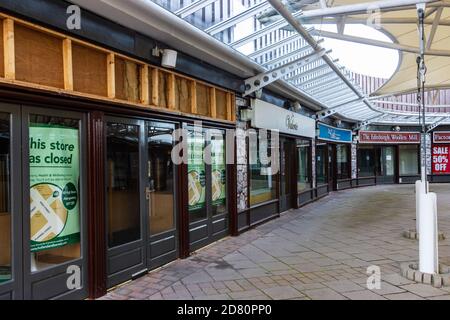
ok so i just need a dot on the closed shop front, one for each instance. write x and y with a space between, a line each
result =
333 158
279 162
389 157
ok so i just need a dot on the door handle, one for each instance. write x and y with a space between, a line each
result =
148 192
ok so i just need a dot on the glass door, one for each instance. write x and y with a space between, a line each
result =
287 175
10 209
125 204
386 165
160 194
54 211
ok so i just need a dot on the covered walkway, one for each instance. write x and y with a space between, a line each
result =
320 251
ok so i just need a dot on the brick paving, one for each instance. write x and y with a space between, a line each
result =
320 251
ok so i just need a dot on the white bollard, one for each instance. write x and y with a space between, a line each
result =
420 189
428 242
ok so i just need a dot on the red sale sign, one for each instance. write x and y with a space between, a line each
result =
441 157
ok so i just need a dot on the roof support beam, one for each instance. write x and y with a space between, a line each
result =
232 21
395 103
377 43
369 121
193 7
260 81
437 123
330 111
437 19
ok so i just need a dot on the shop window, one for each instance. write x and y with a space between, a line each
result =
321 164
55 211
5 213
366 161
409 160
161 178
196 176
123 183
304 156
343 161
263 182
218 174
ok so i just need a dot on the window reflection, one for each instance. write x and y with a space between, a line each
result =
160 178
321 164
304 154
123 183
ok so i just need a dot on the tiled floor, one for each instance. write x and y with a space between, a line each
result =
321 251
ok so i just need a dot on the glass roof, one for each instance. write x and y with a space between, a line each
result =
270 33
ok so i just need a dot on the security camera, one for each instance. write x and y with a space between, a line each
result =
296 106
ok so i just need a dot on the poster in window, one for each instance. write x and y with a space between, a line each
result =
218 171
441 157
196 171
54 195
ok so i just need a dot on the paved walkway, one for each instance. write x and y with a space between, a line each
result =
321 251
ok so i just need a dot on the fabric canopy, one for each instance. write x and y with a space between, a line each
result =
400 23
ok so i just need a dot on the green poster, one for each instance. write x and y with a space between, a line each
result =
218 168
54 194
196 171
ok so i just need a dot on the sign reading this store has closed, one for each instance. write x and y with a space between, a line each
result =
388 137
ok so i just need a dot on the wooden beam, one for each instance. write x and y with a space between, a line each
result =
171 91
230 115
212 103
8 47
111 75
145 94
68 65
155 87
193 88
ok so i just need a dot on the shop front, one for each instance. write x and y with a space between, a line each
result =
279 162
440 157
91 192
333 159
389 157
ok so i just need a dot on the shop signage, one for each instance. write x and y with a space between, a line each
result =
441 137
441 157
334 134
196 171
54 195
271 117
380 137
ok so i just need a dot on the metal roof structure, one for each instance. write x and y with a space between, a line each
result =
277 38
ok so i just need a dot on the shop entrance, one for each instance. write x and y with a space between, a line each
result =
140 197
288 176
378 161
42 204
206 187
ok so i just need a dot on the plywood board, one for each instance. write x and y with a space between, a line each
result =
127 75
203 99
163 89
39 57
221 104
89 70
2 56
182 94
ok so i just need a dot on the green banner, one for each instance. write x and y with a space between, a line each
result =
219 173
196 171
54 194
